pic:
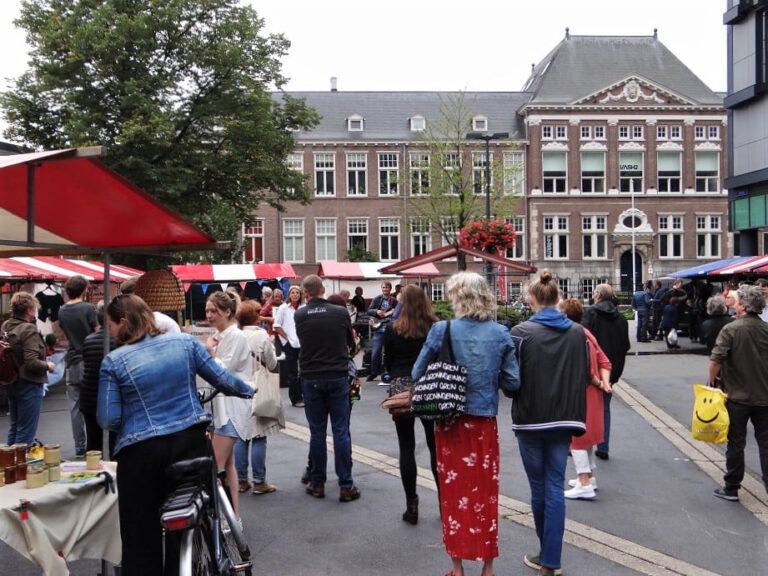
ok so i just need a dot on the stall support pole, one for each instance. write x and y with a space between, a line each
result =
107 264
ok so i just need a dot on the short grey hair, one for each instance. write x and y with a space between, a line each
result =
605 291
716 306
751 297
470 296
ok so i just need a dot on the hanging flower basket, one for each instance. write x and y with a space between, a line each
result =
488 235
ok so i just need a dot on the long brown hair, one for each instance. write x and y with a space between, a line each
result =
139 318
416 316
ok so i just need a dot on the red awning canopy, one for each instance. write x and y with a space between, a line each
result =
67 202
449 252
753 263
370 271
43 268
232 272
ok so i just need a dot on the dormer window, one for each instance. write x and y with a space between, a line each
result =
355 123
479 124
418 123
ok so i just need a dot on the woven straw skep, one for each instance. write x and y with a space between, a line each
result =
161 290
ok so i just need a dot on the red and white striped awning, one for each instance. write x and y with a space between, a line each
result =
752 264
370 270
43 268
232 272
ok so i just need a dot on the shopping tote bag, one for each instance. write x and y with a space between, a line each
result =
710 417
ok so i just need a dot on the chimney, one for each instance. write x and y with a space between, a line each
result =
333 84
655 34
567 33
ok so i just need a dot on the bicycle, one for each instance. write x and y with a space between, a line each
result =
199 524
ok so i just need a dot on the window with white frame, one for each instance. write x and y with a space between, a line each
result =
599 132
586 132
514 173
671 236
418 164
661 132
554 171
253 238
713 132
448 234
325 239
623 132
561 133
699 132
389 239
418 123
357 174
675 133
564 285
355 123
479 172
388 167
707 171
514 290
451 173
421 236
593 171
325 173
637 132
357 234
594 231
588 286
518 251
669 172
631 171
546 132
479 124
293 240
438 291
708 234
295 161
556 237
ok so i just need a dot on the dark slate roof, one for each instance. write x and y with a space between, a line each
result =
581 65
387 114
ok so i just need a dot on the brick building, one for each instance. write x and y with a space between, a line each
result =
611 141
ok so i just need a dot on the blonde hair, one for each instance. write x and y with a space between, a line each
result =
545 289
21 302
471 296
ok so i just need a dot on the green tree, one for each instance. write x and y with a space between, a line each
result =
179 93
442 190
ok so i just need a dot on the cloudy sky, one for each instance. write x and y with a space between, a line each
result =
451 44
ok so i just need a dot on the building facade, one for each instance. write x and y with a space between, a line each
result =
747 105
612 143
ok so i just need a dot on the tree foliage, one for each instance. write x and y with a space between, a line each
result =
445 194
177 90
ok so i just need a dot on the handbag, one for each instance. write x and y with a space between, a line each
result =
266 401
710 421
672 337
441 393
400 393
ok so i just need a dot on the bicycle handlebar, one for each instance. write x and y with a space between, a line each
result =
206 396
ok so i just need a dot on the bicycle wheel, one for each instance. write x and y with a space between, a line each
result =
196 558
234 544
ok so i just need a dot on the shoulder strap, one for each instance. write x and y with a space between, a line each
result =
446 350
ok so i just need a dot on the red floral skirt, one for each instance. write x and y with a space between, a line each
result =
468 472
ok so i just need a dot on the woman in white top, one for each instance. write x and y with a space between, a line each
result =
231 415
285 328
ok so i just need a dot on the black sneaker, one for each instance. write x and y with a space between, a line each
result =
727 494
602 455
534 562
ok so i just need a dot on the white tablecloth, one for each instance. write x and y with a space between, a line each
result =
65 522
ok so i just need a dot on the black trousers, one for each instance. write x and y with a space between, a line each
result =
142 488
739 415
406 440
94 436
289 374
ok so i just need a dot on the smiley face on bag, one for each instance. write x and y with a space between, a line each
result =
708 407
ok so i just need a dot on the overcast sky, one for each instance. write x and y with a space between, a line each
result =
451 44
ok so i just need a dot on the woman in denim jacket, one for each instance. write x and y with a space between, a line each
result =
468 447
148 396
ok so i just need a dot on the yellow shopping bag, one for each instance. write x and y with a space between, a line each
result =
710 416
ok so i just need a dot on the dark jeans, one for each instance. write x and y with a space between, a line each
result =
94 436
605 444
642 325
25 400
324 399
739 415
377 350
406 440
289 373
142 487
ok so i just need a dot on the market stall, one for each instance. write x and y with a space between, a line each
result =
339 276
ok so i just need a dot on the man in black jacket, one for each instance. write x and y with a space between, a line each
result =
611 330
325 335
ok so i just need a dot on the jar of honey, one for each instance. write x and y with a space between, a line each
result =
2 477
52 454
21 453
21 472
36 477
10 474
54 473
7 456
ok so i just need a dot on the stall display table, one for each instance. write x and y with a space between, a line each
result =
61 522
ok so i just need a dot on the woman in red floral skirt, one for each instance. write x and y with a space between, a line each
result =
468 447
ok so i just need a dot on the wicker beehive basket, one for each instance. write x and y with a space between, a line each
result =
161 290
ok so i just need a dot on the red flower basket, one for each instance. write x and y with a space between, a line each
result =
488 235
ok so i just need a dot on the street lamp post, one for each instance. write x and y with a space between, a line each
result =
485 137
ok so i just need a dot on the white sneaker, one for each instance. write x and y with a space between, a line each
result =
580 492
573 483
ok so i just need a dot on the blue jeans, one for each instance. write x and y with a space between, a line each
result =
25 400
377 349
324 398
604 445
642 325
545 455
258 459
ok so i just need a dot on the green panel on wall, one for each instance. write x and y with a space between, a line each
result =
741 214
757 211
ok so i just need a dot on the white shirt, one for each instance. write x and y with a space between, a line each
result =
233 353
284 320
165 323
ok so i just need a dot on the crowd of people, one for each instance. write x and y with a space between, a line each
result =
559 367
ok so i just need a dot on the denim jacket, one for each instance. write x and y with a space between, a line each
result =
486 350
148 388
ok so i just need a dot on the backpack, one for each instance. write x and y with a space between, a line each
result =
9 371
